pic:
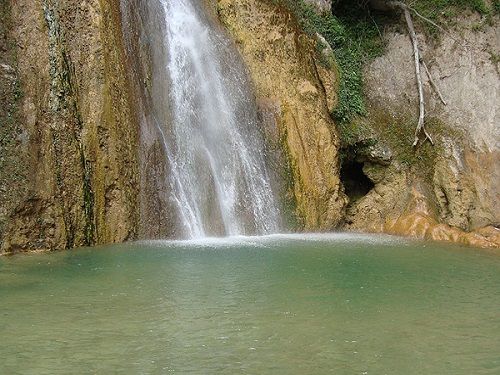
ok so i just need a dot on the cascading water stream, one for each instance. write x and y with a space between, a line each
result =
206 120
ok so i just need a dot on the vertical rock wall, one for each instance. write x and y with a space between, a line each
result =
75 132
290 83
142 28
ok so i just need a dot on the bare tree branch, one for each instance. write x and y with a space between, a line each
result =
433 83
418 75
428 20
416 53
440 28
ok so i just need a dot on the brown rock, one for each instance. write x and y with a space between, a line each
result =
79 133
418 221
283 66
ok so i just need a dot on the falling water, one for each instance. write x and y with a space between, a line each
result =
205 118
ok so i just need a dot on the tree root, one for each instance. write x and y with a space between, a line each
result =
433 83
386 5
398 5
418 74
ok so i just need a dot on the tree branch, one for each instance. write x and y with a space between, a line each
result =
416 53
428 20
433 83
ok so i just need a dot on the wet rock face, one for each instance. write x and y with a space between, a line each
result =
466 187
458 177
290 85
75 129
12 158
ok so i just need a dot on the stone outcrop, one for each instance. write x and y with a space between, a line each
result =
458 178
74 131
290 83
418 221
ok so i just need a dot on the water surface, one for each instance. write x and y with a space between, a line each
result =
322 304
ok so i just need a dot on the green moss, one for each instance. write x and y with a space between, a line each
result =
88 201
494 57
496 6
444 13
355 137
12 168
398 134
435 9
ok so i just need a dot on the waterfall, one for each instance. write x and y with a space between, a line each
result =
201 109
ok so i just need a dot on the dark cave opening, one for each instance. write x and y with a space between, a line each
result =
356 183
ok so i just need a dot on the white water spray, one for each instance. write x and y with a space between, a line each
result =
218 180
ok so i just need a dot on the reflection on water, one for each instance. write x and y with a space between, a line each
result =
321 304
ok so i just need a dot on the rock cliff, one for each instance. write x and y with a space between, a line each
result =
444 192
69 135
296 93
458 177
73 167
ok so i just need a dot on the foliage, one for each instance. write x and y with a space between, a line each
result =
496 6
433 9
354 34
355 39
444 12
494 57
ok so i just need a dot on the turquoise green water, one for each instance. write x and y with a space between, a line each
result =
337 304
